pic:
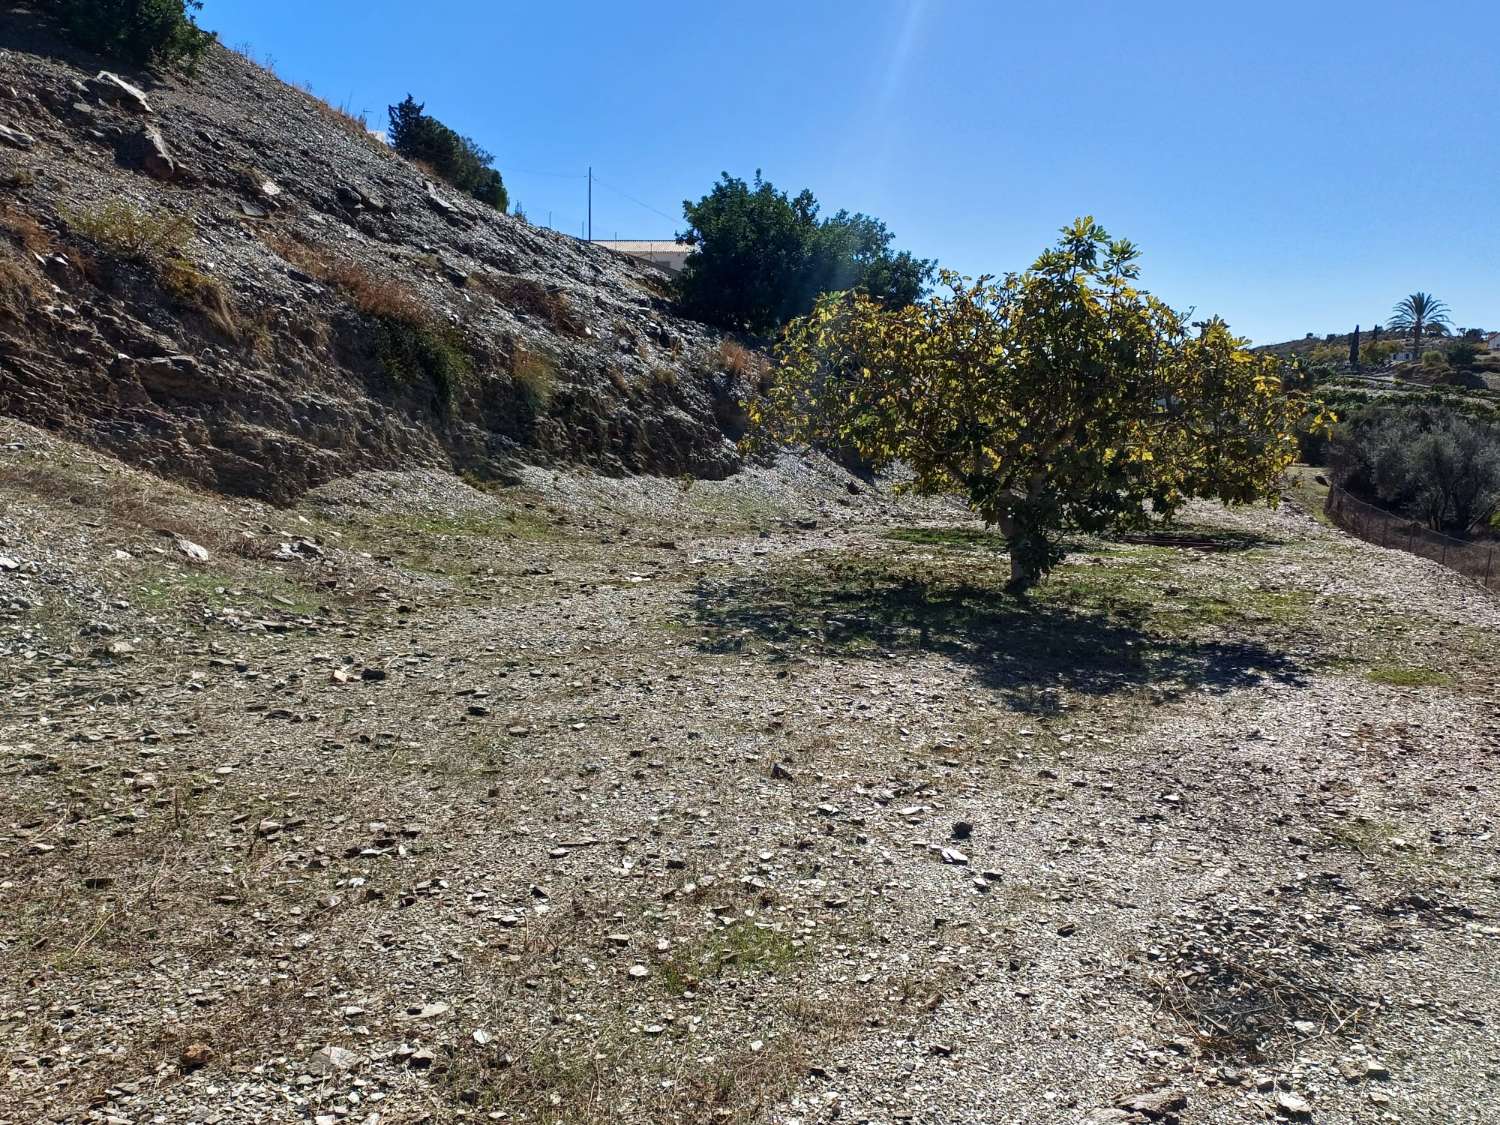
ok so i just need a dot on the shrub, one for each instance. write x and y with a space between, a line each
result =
132 233
456 159
1429 462
143 32
411 353
763 257
1462 355
158 240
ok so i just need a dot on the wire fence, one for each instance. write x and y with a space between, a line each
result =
1475 559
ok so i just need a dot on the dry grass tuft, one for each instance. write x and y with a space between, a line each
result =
372 295
750 368
25 231
345 117
194 289
522 294
20 288
535 377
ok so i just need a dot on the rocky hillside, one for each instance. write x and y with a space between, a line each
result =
225 279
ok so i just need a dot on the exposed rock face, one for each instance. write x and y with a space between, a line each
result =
235 363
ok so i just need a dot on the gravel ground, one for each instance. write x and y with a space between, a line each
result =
593 800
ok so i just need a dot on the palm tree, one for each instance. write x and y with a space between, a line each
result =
1421 312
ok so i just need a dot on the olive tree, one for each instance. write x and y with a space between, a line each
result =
1062 397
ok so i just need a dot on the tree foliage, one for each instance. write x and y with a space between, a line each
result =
142 32
457 159
1431 463
1060 397
763 257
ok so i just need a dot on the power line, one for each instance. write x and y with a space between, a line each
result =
553 175
594 179
637 202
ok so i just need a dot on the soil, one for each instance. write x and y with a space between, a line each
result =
601 800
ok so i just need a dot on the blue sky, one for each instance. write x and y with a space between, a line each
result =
1292 167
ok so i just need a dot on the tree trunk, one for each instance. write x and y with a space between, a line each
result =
1022 578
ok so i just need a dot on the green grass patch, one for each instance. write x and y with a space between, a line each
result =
1407 675
954 538
267 591
739 950
414 354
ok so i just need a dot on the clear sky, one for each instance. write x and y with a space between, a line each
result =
1294 167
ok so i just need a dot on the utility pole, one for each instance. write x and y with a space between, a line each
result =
591 203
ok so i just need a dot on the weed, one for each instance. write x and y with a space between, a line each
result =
741 948
664 376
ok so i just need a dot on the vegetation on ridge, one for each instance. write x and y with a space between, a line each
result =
762 257
143 32
457 159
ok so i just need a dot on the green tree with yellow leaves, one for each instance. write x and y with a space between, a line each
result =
1063 397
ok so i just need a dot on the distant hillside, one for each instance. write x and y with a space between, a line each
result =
1313 343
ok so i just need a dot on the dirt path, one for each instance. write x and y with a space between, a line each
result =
597 801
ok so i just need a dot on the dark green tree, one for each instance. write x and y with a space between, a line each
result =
1462 354
158 33
762 257
456 158
1354 349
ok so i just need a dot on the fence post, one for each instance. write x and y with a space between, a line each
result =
1488 560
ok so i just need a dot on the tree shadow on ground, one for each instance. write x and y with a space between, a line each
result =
1030 652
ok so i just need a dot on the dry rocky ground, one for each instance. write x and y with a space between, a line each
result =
590 800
